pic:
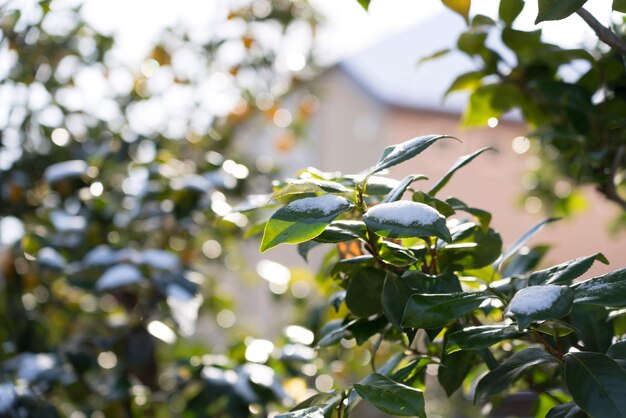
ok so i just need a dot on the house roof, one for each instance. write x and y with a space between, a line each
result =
390 72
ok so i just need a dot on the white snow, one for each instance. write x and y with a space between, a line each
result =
119 275
66 169
323 205
50 257
403 213
7 397
159 259
64 222
534 299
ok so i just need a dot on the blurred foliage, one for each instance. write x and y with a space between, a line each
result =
573 100
115 229
427 287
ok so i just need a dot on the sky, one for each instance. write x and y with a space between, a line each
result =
348 27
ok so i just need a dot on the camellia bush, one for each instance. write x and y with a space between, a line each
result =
428 279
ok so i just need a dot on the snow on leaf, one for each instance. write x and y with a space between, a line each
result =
118 276
64 170
533 299
319 206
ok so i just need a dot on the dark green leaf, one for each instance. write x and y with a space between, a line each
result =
596 383
341 231
442 207
567 410
391 397
396 194
461 7
461 162
482 216
566 272
396 255
332 332
538 303
523 263
364 291
486 249
619 6
302 220
557 9
307 186
595 330
522 42
478 338
406 219
394 298
504 375
305 247
555 328
472 42
436 310
509 10
607 290
395 154
454 368
364 328
521 241
618 352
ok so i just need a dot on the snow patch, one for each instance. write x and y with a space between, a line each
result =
403 213
117 276
323 205
64 170
534 299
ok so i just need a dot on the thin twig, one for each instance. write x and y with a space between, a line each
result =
605 34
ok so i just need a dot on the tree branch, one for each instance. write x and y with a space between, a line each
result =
610 188
605 34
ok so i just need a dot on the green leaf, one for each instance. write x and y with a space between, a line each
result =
364 4
396 255
440 206
396 293
566 410
468 81
608 290
595 329
596 383
364 328
436 310
454 368
437 54
363 294
538 303
302 220
619 6
478 338
341 231
472 42
461 7
557 9
522 42
461 162
332 332
486 249
396 154
565 273
506 373
390 396
396 194
509 10
491 101
555 328
482 216
306 186
618 352
521 241
405 219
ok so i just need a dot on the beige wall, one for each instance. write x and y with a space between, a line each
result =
492 182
